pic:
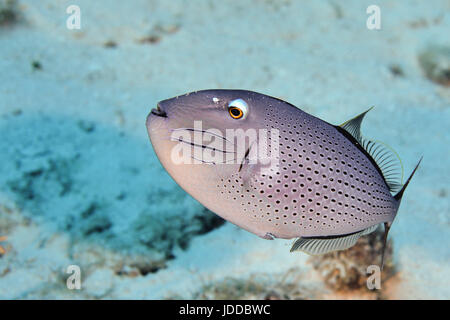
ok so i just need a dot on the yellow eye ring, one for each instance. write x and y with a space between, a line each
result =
235 112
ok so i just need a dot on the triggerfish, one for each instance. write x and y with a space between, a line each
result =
276 171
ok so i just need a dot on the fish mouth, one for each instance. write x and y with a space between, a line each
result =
158 111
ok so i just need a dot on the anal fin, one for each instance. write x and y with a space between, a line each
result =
322 245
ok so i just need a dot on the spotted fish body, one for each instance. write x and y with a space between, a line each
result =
330 185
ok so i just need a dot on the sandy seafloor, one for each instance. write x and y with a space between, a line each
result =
80 184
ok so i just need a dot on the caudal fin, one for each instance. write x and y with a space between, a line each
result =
399 195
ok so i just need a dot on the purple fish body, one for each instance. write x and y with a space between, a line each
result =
325 185
328 187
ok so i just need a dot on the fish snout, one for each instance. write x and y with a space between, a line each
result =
158 116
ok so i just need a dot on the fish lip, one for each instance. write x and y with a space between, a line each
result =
159 111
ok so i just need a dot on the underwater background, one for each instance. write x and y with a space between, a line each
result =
80 184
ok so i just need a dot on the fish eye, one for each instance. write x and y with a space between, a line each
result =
238 109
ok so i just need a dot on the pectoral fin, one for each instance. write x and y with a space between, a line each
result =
322 245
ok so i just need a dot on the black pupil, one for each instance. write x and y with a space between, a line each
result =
235 112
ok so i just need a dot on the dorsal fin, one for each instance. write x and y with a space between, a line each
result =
385 159
353 126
